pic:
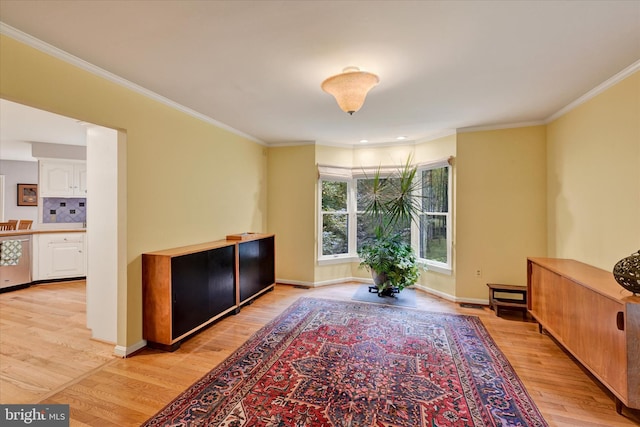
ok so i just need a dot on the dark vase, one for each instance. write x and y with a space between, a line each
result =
627 273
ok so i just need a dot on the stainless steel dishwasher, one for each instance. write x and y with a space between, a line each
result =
19 272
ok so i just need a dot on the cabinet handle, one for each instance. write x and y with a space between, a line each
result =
620 320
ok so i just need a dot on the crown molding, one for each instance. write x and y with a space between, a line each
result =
501 126
38 44
615 79
440 134
402 143
291 144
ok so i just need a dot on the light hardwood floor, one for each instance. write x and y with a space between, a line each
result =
46 356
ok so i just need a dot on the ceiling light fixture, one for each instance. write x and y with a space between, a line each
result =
350 88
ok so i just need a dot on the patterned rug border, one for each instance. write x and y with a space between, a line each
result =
529 409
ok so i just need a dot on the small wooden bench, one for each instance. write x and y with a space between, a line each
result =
519 302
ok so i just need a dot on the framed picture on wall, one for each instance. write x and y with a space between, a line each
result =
27 194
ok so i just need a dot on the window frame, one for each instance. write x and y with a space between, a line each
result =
344 257
440 267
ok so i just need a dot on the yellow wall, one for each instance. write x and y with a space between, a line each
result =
500 207
334 156
594 178
382 156
187 181
292 211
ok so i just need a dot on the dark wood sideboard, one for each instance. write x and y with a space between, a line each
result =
186 288
593 318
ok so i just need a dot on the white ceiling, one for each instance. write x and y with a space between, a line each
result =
21 125
256 66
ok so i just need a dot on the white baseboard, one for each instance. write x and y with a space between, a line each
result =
295 283
450 297
122 351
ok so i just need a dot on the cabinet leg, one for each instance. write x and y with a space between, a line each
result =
539 328
618 406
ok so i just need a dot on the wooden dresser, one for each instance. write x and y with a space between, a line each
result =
593 318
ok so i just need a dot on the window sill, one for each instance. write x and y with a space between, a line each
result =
438 268
338 260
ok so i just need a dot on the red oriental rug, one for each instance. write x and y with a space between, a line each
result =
333 363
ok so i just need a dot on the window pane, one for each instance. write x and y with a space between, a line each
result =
433 237
365 229
334 196
404 229
364 190
435 184
334 234
366 232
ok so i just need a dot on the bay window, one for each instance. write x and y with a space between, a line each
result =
344 226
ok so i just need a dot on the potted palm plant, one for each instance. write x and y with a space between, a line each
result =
391 204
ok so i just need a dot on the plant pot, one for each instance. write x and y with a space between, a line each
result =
379 279
385 289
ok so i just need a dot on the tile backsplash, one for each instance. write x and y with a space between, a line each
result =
63 210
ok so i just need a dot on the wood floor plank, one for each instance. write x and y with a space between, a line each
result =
44 342
103 390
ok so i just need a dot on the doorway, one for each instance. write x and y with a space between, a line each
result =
106 190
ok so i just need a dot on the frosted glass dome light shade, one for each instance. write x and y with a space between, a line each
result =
350 88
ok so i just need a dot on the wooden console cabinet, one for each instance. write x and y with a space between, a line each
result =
187 288
593 318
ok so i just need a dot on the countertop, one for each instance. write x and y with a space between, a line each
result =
45 231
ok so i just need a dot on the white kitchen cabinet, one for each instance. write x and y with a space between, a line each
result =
60 256
63 178
80 174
